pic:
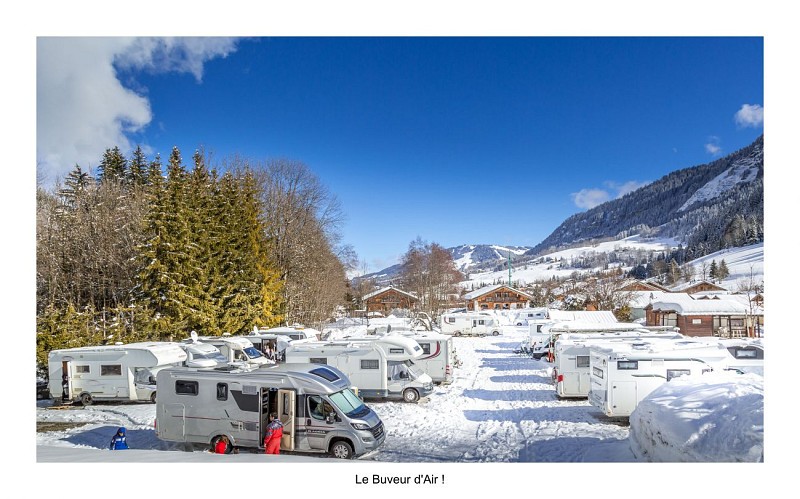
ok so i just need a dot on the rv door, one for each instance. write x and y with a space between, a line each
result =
286 412
66 380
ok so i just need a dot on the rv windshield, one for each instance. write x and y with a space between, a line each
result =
252 353
347 402
414 370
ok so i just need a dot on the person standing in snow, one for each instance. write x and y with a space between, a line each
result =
221 446
272 439
118 441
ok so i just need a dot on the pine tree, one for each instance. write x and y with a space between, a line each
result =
713 271
155 177
722 271
137 173
113 166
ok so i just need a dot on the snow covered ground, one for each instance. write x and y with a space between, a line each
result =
501 411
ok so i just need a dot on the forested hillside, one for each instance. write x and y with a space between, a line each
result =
134 254
730 211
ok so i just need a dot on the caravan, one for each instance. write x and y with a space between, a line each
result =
469 324
111 372
623 374
380 368
316 405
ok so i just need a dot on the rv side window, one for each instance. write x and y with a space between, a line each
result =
481 322
426 348
186 387
745 353
582 361
369 364
111 370
598 372
396 350
627 364
222 391
318 360
451 320
81 369
674 373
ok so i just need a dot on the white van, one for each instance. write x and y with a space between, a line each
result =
316 404
111 372
382 368
623 374
469 324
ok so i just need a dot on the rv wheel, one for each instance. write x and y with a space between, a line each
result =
342 450
86 399
457 333
495 333
410 395
153 398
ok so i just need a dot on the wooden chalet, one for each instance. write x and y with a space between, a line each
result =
697 287
724 317
497 297
389 298
637 285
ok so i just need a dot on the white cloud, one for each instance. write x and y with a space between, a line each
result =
749 116
81 106
712 146
589 198
626 187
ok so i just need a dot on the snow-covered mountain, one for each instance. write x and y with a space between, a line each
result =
744 169
469 257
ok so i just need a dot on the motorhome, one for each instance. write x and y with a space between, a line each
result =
382 368
316 404
121 372
199 354
296 332
623 374
237 349
469 324
571 374
527 316
438 358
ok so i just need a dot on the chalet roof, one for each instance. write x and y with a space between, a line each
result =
686 305
630 283
688 285
583 316
389 288
641 299
489 289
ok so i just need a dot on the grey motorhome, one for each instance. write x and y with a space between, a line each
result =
623 374
571 374
110 372
380 368
319 410
469 324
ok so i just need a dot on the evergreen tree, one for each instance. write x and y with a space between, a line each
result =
713 271
155 177
722 271
137 173
113 166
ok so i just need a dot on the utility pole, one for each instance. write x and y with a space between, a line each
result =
509 268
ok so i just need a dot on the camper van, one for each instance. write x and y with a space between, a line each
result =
571 374
469 324
319 410
111 372
438 357
528 316
382 368
623 374
296 332
237 349
200 354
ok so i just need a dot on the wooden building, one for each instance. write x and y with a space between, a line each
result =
389 298
497 297
697 287
637 285
715 317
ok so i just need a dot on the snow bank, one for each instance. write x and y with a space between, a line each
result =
716 417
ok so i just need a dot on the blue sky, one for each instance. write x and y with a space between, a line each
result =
456 140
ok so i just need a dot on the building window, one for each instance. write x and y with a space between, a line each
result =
697 321
369 364
111 370
186 387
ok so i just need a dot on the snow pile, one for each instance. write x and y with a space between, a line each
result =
716 417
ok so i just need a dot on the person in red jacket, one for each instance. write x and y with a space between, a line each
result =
272 439
221 445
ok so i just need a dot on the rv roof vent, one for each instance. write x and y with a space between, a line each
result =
325 374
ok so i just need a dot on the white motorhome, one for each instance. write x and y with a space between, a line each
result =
199 354
469 324
110 372
237 349
316 404
571 373
296 332
382 368
623 374
528 316
438 358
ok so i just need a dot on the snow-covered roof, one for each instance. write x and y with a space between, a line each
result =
585 316
686 305
388 288
488 289
641 299
688 285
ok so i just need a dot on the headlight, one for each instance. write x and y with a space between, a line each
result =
360 426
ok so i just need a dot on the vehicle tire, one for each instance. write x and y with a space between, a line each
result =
495 333
153 398
410 395
519 323
342 450
457 333
86 399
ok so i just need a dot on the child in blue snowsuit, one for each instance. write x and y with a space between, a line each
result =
118 441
